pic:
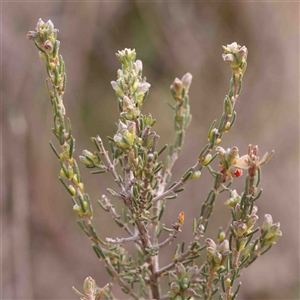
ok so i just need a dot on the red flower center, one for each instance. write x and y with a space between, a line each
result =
238 173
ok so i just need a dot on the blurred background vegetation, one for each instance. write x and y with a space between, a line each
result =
44 252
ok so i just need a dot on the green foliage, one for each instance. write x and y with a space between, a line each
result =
144 186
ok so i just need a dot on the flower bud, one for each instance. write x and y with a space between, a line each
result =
212 133
121 141
63 174
221 154
221 236
218 141
175 287
254 210
210 244
278 235
233 155
195 175
117 88
226 253
235 199
31 35
122 126
172 276
181 218
89 286
251 221
48 46
273 239
131 127
88 154
201 229
193 272
126 55
218 258
149 142
75 179
139 66
231 60
177 86
143 88
187 80
230 202
52 66
127 102
134 86
188 293
238 211
242 243
78 210
87 158
81 187
242 53
120 73
86 161
228 282
42 55
239 227
224 246
72 190
40 24
268 221
131 54
242 162
210 251
233 47
207 160
185 283
227 126
180 270
49 24
275 228
128 138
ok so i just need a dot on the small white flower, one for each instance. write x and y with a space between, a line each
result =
143 88
229 58
50 24
139 66
40 24
233 47
187 80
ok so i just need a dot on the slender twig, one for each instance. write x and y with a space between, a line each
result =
183 256
235 266
121 282
163 182
169 240
171 265
127 176
209 285
110 167
112 210
227 230
198 164
115 194
122 240
176 186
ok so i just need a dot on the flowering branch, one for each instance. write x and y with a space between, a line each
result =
142 186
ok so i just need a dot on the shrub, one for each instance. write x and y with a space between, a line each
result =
144 186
